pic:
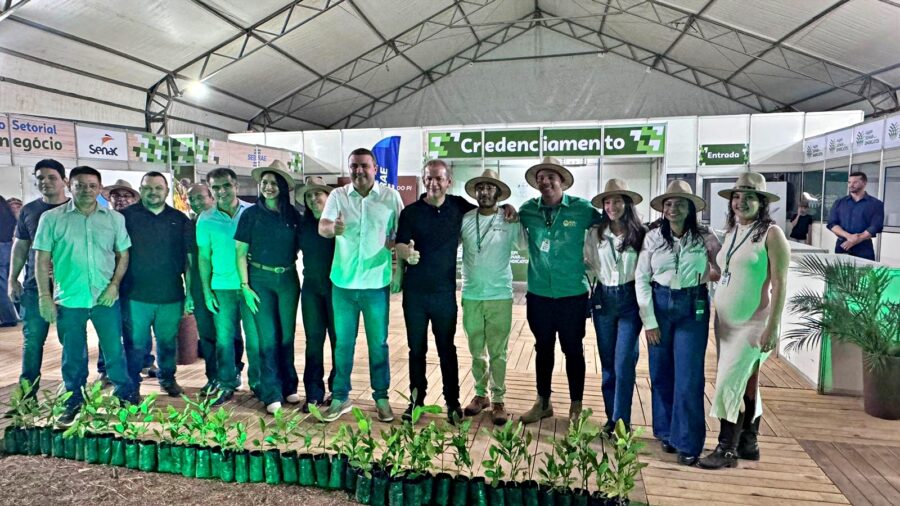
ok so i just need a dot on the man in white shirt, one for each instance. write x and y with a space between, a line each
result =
362 217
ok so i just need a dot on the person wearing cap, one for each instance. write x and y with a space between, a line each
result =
162 239
267 246
362 217
749 301
856 219
611 252
315 297
676 261
488 242
88 247
50 179
221 282
557 296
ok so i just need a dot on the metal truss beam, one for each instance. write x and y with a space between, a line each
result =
423 31
688 25
8 7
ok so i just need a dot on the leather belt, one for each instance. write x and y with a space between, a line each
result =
276 270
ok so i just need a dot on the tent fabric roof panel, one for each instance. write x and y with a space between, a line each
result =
385 77
249 13
392 18
277 76
771 19
334 106
714 60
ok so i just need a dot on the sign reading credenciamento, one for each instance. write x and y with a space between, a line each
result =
640 140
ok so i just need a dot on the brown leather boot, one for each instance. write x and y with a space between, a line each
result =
541 409
498 414
574 411
479 403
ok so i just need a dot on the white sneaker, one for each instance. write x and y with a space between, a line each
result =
272 408
293 399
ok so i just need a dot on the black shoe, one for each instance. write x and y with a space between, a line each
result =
666 447
748 445
208 388
223 397
68 417
719 458
407 415
172 389
687 460
454 414
104 380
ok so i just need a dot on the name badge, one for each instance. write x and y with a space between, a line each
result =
545 246
725 279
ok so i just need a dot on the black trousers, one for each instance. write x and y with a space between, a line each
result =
547 318
318 321
440 309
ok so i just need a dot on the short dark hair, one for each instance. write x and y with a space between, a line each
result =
84 169
49 163
861 175
362 152
154 173
221 172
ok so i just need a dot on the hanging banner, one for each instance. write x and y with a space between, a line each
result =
41 137
101 143
148 148
5 151
265 156
641 140
387 152
868 136
219 153
572 142
839 144
241 155
296 164
724 154
512 144
892 132
814 149
183 149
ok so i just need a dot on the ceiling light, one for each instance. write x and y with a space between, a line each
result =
196 89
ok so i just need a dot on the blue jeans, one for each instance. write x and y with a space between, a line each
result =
318 320
618 325
374 304
72 327
164 320
676 367
232 313
34 332
149 359
206 328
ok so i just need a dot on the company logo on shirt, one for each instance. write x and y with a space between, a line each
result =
569 223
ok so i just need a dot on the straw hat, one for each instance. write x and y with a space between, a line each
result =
489 176
312 183
120 184
750 182
616 186
553 164
277 167
678 188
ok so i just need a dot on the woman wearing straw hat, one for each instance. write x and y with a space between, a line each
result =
749 300
267 244
676 261
611 252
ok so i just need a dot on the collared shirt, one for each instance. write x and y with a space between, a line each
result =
215 230
856 217
684 266
361 260
435 231
272 239
26 230
488 243
83 250
605 262
556 245
158 257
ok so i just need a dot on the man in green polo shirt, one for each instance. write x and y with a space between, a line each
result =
88 247
557 296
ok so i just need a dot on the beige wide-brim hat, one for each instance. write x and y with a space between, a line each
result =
553 164
313 183
277 167
120 184
750 182
489 176
616 186
678 188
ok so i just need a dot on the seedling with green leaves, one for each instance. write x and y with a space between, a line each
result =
198 430
134 419
98 410
459 442
511 444
559 463
53 405
582 436
364 454
616 476
23 405
279 433
171 424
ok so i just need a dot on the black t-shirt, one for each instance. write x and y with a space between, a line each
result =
157 258
272 239
436 232
26 229
7 222
801 229
318 252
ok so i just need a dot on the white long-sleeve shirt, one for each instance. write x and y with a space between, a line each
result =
604 261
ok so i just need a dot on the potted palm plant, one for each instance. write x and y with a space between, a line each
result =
853 310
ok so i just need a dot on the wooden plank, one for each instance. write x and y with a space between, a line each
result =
847 482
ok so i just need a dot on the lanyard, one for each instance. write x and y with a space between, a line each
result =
550 219
479 238
612 250
733 249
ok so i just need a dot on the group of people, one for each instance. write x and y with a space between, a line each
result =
234 267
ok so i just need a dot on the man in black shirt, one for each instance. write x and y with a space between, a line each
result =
801 223
161 241
315 298
50 177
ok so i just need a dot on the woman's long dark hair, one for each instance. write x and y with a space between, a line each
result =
285 208
634 230
693 231
763 219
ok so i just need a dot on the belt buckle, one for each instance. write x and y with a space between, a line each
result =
279 270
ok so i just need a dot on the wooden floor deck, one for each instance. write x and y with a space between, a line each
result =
815 449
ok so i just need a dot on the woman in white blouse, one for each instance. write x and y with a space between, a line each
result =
676 261
611 252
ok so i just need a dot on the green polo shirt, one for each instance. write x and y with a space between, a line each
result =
556 251
215 230
83 251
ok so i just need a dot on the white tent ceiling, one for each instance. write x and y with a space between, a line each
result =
286 65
